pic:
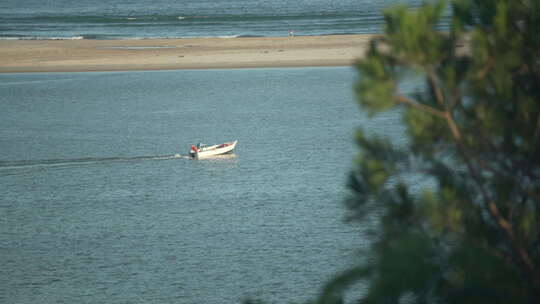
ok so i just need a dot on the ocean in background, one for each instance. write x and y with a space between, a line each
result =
140 19
97 207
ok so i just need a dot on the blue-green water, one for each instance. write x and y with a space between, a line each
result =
96 208
136 19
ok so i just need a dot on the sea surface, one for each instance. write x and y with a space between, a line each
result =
139 19
99 203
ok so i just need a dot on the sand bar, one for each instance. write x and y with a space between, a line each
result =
170 54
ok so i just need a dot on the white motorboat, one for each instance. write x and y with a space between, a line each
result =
202 151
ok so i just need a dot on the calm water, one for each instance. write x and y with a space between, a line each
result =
98 19
96 208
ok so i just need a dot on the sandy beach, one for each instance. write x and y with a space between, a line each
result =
167 54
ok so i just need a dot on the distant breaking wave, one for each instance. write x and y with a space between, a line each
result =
40 38
172 17
106 37
180 25
63 27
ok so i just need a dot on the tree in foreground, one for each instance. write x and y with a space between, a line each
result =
472 235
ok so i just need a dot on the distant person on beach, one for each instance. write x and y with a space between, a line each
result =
291 33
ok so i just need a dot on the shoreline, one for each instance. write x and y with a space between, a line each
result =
22 56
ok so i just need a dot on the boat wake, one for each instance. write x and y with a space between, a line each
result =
45 163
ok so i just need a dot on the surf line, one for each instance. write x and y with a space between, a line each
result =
76 161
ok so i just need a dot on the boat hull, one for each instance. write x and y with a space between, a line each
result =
214 150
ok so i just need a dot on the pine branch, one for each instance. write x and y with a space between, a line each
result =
420 106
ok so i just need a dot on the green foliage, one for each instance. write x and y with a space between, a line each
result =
405 29
425 130
474 129
375 90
